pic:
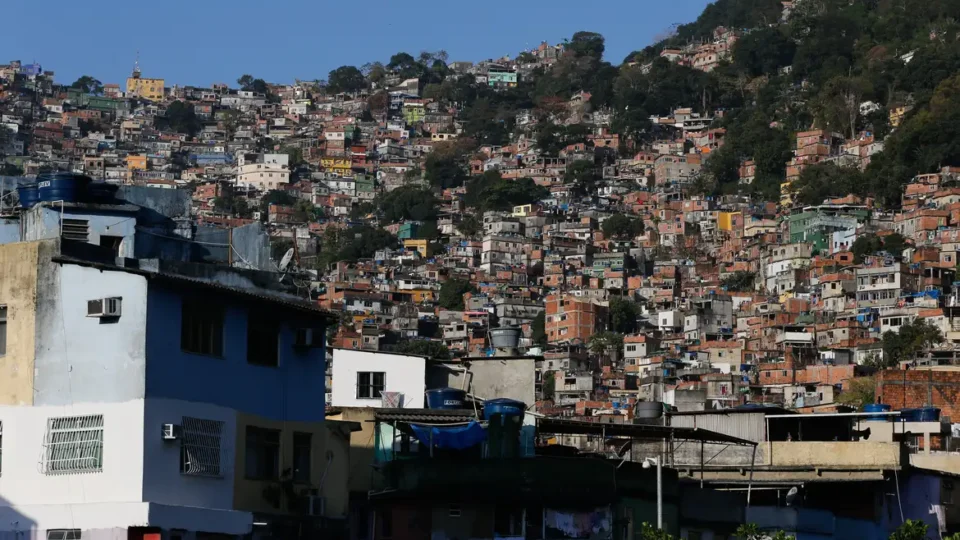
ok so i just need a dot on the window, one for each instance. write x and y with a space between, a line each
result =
301 457
111 242
201 448
201 328
263 334
454 510
3 330
371 384
263 453
74 444
63 534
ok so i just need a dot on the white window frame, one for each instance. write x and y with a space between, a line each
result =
73 445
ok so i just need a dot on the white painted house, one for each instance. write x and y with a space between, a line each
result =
361 377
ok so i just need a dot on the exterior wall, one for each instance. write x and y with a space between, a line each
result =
162 481
151 89
861 454
73 364
18 291
920 388
489 379
291 391
404 374
249 493
360 473
43 222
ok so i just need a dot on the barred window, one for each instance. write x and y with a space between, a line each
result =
63 534
201 449
74 444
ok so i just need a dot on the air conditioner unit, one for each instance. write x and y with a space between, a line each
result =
104 307
171 432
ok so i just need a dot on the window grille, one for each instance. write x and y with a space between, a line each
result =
74 444
75 229
201 449
63 534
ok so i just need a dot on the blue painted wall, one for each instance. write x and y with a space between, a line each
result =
292 391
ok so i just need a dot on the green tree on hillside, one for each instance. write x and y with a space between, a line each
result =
452 291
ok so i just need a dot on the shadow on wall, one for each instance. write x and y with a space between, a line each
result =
16 526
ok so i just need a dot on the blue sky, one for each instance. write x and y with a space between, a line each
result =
208 41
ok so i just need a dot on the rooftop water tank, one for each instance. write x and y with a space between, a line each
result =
505 338
648 410
27 192
876 408
503 407
66 187
446 398
922 414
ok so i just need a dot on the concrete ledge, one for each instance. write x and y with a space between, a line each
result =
114 516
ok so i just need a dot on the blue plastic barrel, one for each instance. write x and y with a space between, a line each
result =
922 414
27 191
877 408
66 187
503 407
446 398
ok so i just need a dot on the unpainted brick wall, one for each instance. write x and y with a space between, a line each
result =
904 389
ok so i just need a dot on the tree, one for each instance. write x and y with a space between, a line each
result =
912 339
345 79
88 85
245 81
451 293
538 329
860 392
295 155
838 105
422 347
871 244
910 530
740 281
490 191
606 343
379 102
586 44
822 181
583 174
408 203
181 118
622 226
443 167
649 532
763 51
623 315
469 226
229 202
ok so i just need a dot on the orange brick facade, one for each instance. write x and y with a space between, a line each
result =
905 389
570 319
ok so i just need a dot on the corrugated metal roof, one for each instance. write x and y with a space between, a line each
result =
636 431
433 416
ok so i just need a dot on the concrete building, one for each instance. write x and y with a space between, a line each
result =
361 378
137 401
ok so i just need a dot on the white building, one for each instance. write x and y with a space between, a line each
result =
360 378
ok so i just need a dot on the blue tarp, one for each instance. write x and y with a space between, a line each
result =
455 437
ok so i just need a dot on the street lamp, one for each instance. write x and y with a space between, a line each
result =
650 462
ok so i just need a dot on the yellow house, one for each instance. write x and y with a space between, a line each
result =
786 194
523 210
422 295
897 114
137 163
138 86
422 245
725 220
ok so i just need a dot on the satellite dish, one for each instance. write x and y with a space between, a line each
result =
792 495
285 260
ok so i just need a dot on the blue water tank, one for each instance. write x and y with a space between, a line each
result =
503 407
922 414
66 187
446 398
27 191
876 408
